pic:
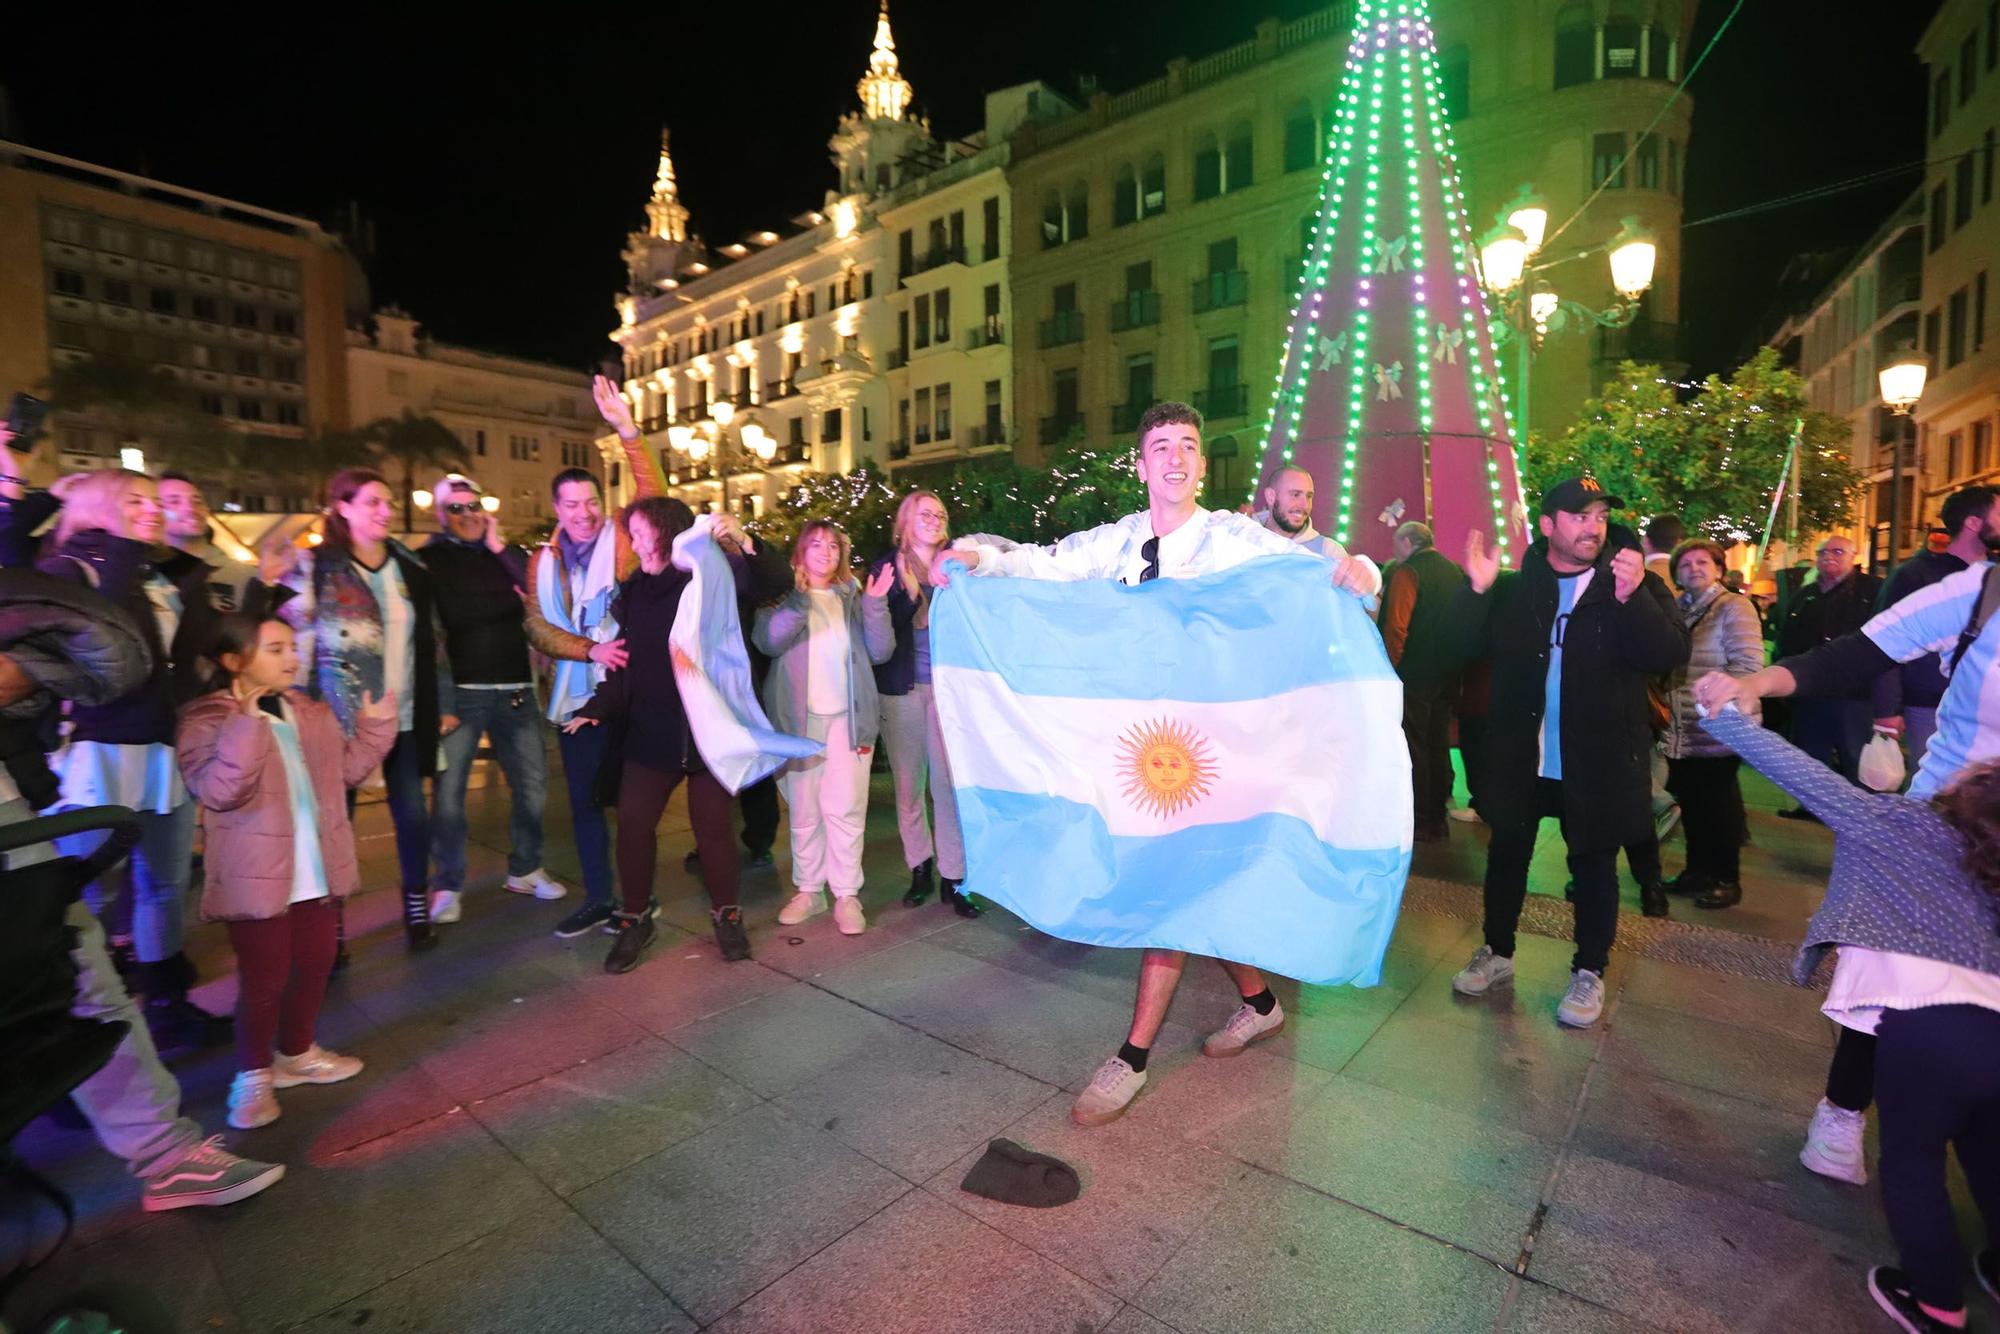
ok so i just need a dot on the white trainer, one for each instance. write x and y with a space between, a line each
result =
1833 1144
444 905
847 915
1244 1027
803 905
1110 1092
535 882
314 1065
251 1101
1486 971
1583 1002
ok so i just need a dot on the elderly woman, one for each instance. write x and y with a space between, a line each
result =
1701 771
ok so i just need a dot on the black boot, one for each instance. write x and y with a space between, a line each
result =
1653 900
730 937
635 932
920 884
175 1022
1689 881
960 903
1720 894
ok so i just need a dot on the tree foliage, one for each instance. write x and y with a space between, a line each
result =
1714 458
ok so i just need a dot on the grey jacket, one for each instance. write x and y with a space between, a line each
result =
780 634
1726 637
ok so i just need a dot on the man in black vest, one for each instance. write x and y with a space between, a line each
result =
1415 603
480 580
1573 634
1838 602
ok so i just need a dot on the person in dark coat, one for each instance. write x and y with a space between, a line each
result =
1416 596
1837 603
1573 634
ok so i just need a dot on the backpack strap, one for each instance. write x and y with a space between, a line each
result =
1989 602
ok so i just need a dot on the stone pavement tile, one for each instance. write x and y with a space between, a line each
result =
778 1041
719 1217
914 1104
512 1040
1469 1181
1277 1258
1713 1142
1539 1309
680 980
102 1189
1695 1262
1774 1007
162 1257
1043 1030
1144 1194
1726 1058
545 1270
1525 1077
444 984
1225 1104
393 1092
1132 1320
1526 1005
815 946
1001 938
1433 934
922 1266
335 1229
583 1123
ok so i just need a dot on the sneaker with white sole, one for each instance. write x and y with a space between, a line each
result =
208 1175
1486 971
537 883
589 917
847 915
444 905
1109 1093
1833 1144
251 1101
1244 1027
1892 1291
314 1065
1583 1002
803 905
1666 822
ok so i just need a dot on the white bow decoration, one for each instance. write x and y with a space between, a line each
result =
1448 343
1388 381
1330 351
1389 254
1392 514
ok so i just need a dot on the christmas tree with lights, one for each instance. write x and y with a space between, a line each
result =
1389 394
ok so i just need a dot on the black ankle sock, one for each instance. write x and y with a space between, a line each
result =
1263 1002
1134 1056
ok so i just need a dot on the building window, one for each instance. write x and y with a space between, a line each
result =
114 238
1622 37
829 427
1576 46
1968 67
67 282
250 409
942 307
1066 216
1954 455
923 435
942 397
1979 311
249 363
989 228
64 334
117 291
906 254
1138 388
1674 167
1455 81
479 443
1207 168
1646 163
1986 167
1237 168
1962 186
1937 220
1954 327
1933 319
198 356
1940 102
209 403
1125 196
245 316
1301 138
1222 363
285 322
1607 161
922 319
1992 35
996 430
162 300
289 415
1982 446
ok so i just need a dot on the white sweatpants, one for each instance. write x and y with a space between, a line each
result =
828 800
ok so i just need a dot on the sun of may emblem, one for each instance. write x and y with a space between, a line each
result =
1168 766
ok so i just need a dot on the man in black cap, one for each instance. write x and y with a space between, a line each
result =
1573 635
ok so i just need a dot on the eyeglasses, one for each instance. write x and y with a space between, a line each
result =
461 508
1150 549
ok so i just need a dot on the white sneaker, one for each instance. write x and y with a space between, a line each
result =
803 905
251 1101
1583 1002
1833 1144
1486 971
1244 1027
314 1065
1110 1092
444 905
535 882
847 915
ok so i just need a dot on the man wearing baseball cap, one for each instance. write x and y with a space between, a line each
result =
1573 633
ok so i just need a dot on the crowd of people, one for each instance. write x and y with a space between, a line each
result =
1602 681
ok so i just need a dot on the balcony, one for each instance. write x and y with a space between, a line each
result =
1065 327
1136 311
777 389
1222 400
986 434
987 333
793 451
1125 416
1227 288
899 357
899 448
936 258
1060 427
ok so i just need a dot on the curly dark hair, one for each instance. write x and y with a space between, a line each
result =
1972 807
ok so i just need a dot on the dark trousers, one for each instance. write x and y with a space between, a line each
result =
282 964
642 799
1472 751
1427 728
1595 873
582 753
759 802
1643 859
1833 731
1850 1080
403 772
1940 1085
1711 799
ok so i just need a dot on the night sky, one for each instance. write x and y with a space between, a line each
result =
503 163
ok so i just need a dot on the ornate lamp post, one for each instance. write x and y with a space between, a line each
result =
1902 384
701 439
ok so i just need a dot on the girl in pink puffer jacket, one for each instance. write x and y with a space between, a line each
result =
271 770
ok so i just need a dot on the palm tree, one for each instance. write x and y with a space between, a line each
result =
413 443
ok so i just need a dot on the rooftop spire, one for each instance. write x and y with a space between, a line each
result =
664 187
665 216
885 93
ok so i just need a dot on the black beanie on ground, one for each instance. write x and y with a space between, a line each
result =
1013 1175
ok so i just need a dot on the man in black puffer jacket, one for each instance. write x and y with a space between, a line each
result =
1573 634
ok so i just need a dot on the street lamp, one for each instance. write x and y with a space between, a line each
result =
1531 311
698 440
1902 384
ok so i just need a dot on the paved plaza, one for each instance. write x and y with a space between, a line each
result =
777 1145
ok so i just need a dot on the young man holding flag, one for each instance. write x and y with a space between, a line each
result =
1173 538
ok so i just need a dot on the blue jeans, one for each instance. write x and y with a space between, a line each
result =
1833 731
154 880
582 753
404 771
514 722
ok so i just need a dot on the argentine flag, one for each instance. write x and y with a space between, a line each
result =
1213 764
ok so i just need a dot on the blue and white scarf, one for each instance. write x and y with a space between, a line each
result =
588 615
